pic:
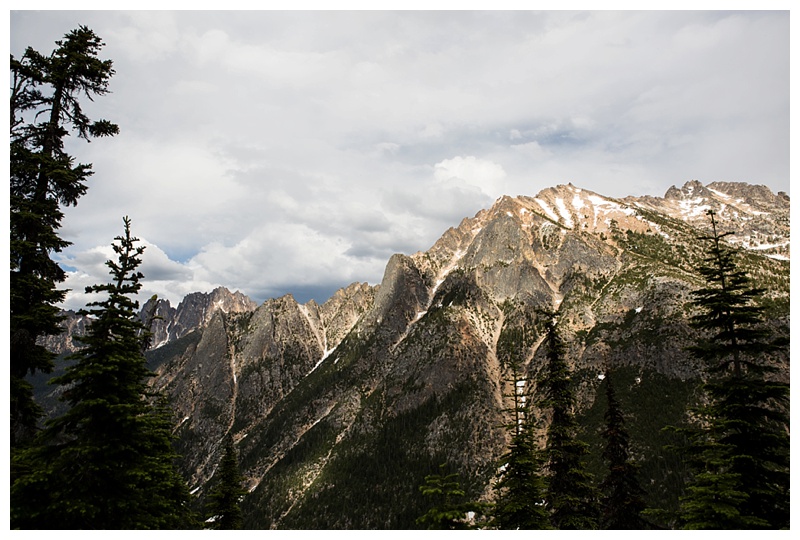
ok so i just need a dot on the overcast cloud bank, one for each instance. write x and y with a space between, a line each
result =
276 152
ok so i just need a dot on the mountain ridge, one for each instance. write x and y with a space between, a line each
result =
380 384
756 206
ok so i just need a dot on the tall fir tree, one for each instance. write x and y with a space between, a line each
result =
571 497
224 511
622 501
108 462
44 109
741 451
520 487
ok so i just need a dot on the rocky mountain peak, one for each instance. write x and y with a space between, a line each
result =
757 197
194 311
757 217
532 233
690 190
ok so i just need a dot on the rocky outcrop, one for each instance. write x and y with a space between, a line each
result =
195 311
166 323
74 325
259 357
341 311
757 218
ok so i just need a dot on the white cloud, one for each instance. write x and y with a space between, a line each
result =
533 150
387 147
176 192
432 131
271 150
148 37
166 278
478 173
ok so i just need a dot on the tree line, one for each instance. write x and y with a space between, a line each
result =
108 462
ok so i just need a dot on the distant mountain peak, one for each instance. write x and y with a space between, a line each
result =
757 217
193 312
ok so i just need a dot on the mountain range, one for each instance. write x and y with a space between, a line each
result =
339 410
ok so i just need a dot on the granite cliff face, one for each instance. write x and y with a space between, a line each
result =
74 325
339 410
195 311
230 373
166 322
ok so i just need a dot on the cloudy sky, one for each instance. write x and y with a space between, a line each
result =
295 152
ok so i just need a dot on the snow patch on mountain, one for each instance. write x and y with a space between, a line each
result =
562 209
547 210
694 207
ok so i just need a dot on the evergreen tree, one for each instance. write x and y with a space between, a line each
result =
44 109
571 497
715 495
521 487
108 462
444 490
741 451
224 511
449 510
623 497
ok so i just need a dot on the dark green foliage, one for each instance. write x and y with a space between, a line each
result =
371 478
571 496
651 401
223 504
448 510
44 108
108 462
521 487
622 502
715 496
514 342
741 449
737 340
